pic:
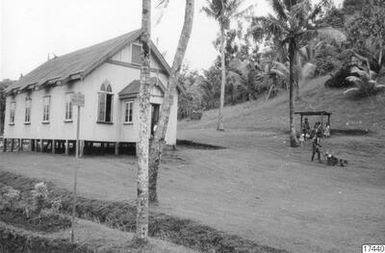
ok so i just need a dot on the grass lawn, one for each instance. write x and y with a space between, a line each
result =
272 196
257 187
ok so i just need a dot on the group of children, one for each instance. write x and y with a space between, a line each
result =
315 134
319 129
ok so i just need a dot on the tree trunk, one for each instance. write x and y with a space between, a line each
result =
380 56
220 126
144 127
293 136
156 146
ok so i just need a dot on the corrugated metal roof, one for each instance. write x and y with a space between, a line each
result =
79 63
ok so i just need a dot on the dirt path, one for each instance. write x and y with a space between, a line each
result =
256 188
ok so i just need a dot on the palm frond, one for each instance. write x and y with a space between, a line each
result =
162 6
248 11
209 12
266 27
355 80
280 73
279 9
355 89
317 10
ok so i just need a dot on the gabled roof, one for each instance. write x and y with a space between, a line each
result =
132 89
78 64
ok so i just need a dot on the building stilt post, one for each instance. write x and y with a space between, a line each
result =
81 151
117 144
66 147
5 145
53 146
12 144
41 145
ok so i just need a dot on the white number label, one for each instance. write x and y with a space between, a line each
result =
373 248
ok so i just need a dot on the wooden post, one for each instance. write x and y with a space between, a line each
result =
53 146
117 148
31 145
20 144
12 144
329 120
66 147
5 145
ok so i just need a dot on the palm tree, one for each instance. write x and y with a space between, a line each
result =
223 11
144 127
156 147
293 25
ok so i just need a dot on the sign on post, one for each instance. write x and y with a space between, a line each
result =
77 99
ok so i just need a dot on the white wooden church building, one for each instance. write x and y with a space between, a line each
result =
39 110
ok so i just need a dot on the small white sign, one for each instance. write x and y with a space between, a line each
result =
78 99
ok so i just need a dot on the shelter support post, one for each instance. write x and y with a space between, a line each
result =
301 122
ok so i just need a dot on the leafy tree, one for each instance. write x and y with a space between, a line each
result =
293 25
366 32
191 98
223 11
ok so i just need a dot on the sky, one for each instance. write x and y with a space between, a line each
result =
32 30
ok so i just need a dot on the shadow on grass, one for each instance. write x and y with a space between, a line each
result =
197 145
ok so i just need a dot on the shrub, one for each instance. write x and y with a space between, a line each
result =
338 80
40 196
10 196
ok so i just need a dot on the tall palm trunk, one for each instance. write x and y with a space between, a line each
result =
156 146
293 136
144 127
380 56
220 126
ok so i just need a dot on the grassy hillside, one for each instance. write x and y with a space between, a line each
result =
348 112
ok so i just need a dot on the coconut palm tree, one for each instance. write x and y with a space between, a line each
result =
293 25
156 145
144 127
223 11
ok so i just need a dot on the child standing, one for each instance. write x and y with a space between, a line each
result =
316 148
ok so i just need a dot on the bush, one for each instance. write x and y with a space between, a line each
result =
9 198
338 80
40 197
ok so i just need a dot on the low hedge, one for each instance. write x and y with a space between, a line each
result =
18 240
